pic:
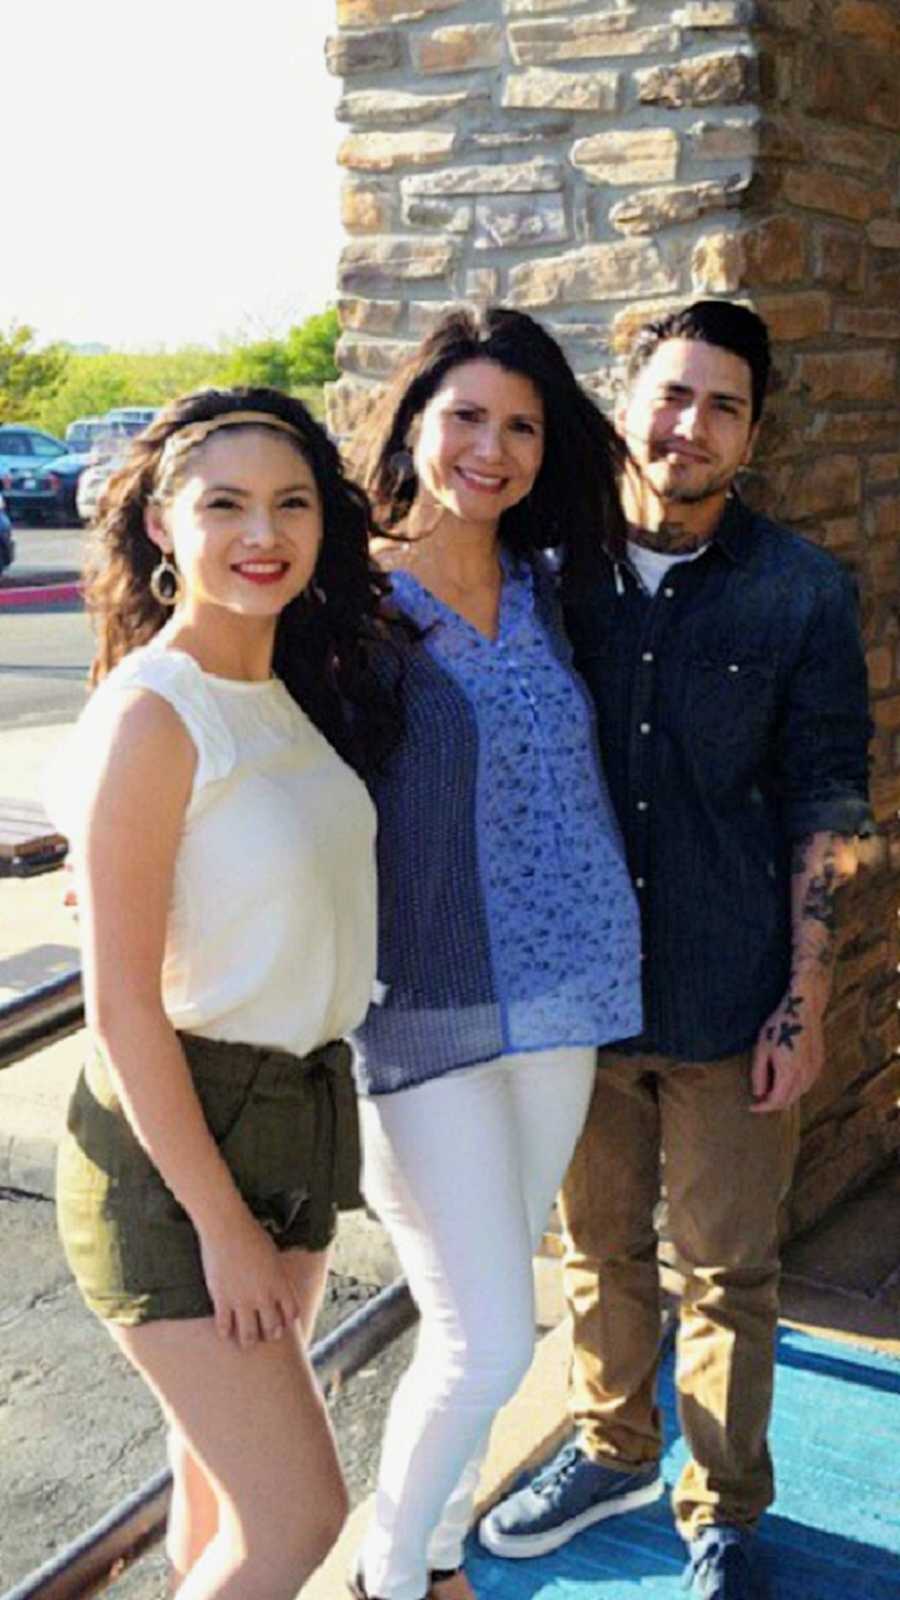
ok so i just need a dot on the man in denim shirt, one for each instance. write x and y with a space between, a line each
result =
724 656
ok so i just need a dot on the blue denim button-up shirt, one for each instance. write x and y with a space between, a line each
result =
733 719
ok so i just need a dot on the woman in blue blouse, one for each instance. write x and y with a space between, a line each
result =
508 941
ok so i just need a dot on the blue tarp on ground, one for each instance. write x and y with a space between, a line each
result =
833 1533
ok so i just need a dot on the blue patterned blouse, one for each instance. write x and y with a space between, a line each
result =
507 918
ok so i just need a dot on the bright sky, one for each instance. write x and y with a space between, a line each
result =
169 169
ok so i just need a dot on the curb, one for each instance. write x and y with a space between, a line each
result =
40 593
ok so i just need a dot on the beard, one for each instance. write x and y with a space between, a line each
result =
717 484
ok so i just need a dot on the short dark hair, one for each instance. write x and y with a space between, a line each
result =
574 504
719 322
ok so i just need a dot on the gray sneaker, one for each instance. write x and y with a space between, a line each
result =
571 1493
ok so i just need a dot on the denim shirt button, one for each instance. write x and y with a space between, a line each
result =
669 594
647 655
642 805
733 666
641 883
645 727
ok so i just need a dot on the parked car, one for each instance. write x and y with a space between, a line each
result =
24 452
48 495
83 433
7 542
93 478
26 447
129 419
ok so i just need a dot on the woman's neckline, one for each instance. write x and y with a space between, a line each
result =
242 684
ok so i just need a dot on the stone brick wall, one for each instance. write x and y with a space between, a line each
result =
596 161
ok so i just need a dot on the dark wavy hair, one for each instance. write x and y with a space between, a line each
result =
324 639
574 504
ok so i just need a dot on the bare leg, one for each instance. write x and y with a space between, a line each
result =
258 1444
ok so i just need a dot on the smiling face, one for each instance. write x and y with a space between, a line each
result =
479 442
688 425
244 524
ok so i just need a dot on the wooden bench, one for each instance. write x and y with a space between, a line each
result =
28 841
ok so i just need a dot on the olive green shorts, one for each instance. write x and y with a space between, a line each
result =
287 1127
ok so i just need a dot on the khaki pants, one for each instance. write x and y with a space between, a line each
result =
726 1172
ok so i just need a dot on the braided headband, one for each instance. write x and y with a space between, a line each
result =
195 432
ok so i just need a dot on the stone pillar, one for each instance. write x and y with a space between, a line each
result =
595 163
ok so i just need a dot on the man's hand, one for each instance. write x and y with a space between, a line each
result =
790 1049
789 1052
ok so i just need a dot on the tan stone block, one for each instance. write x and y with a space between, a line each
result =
784 16
369 316
639 155
392 108
347 404
886 713
371 358
886 520
594 272
520 220
839 259
868 322
653 209
884 233
534 8
368 208
447 216
720 78
424 315
884 467
848 375
603 35
626 324
844 85
365 13
350 53
540 89
839 534
713 14
511 135
482 283
384 152
462 49
819 485
512 177
818 190
804 315
870 22
717 264
731 140
367 263
852 147
855 427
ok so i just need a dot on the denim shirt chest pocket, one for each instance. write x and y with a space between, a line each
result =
728 707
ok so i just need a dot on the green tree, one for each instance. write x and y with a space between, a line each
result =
311 349
266 361
26 373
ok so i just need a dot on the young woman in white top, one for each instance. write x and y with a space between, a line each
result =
227 890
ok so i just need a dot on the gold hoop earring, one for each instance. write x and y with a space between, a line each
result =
165 582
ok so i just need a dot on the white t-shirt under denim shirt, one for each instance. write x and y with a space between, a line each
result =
271 930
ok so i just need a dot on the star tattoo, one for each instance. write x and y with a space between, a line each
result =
787 1033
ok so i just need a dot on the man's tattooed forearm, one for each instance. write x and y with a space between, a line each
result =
786 1031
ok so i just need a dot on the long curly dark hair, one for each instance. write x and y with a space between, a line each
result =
324 639
574 505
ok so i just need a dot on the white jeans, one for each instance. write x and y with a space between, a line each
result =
462 1171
